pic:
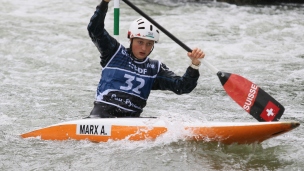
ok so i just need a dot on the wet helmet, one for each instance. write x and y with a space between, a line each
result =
142 28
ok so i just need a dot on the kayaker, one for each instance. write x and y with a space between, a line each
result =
128 74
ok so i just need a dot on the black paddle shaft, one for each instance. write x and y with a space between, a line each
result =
158 26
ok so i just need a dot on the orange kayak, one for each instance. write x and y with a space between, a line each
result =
136 129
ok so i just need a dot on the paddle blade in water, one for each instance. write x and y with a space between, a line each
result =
251 98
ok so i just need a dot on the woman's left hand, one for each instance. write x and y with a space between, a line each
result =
196 55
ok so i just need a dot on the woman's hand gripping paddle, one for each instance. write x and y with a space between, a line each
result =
248 95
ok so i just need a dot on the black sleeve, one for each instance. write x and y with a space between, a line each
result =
105 43
168 80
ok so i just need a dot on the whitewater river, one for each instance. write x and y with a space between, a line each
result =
50 69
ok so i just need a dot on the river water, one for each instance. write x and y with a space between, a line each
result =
50 69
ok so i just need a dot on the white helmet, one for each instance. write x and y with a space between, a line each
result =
142 28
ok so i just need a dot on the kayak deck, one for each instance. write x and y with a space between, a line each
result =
137 129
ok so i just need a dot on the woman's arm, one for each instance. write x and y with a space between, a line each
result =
105 43
168 80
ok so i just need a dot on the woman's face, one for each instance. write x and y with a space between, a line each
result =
141 48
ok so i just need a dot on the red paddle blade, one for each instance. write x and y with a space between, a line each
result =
251 98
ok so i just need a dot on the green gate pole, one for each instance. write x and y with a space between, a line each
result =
116 19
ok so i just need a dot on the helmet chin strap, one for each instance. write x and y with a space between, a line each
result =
133 56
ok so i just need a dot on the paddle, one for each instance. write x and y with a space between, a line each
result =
248 95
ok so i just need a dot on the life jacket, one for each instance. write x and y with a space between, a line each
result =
125 82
